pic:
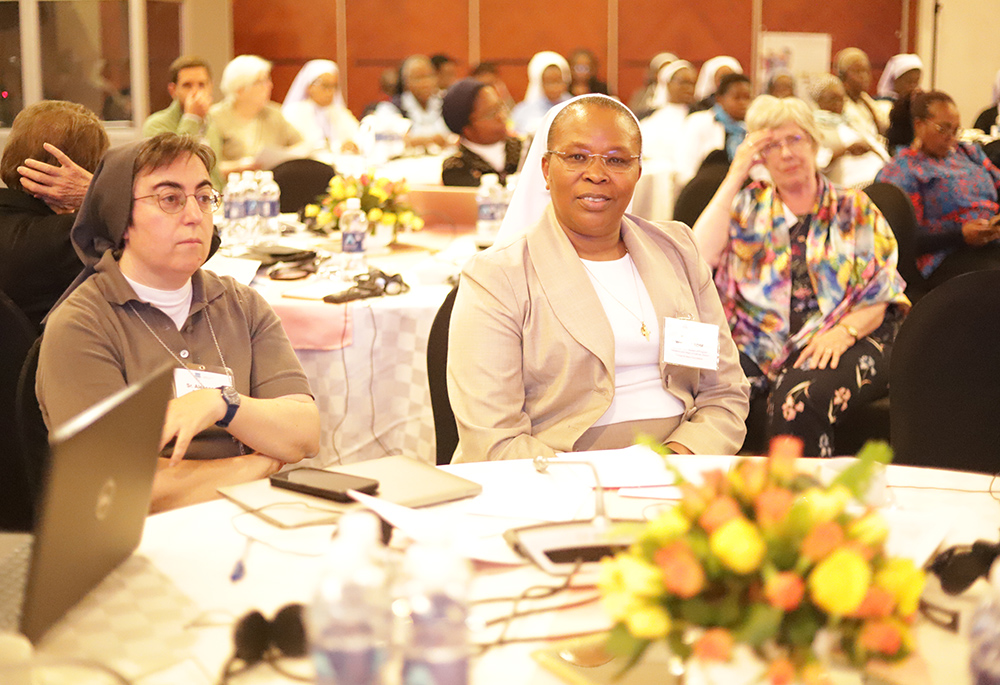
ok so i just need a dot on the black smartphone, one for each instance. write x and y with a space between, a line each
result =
326 484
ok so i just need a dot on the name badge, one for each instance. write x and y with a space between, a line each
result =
691 343
189 380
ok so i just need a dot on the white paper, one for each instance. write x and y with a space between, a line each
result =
242 270
917 534
635 466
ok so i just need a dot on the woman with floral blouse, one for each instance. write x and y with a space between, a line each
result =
807 275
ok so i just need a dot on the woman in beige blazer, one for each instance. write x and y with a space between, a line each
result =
538 333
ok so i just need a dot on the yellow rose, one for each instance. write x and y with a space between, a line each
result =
418 224
648 622
738 545
904 581
336 188
623 580
351 191
667 527
406 218
826 505
325 217
871 529
378 192
839 583
311 211
388 218
374 214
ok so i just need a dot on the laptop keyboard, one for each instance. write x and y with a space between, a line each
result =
15 555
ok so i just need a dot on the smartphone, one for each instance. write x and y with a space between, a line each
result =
326 484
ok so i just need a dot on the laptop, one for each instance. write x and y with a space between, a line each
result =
96 498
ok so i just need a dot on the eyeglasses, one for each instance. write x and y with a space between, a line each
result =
945 129
578 161
792 143
174 201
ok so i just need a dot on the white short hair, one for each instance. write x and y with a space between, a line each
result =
243 71
769 112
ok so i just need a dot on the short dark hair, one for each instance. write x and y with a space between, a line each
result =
485 68
165 148
440 59
69 126
581 104
728 81
187 62
920 105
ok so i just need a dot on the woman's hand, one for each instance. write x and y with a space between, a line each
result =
750 152
825 349
189 415
979 232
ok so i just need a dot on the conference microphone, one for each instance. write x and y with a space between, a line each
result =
567 546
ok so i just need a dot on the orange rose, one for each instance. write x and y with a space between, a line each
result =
881 637
782 455
781 672
749 478
785 590
773 505
822 540
682 574
715 644
878 603
719 511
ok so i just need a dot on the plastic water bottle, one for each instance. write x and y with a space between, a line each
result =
487 203
434 589
984 635
251 196
268 208
349 620
234 211
353 229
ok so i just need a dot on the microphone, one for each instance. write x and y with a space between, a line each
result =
564 547
600 518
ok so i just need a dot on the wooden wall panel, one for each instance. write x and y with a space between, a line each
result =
289 33
382 33
691 30
513 30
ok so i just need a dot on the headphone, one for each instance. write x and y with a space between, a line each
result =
259 640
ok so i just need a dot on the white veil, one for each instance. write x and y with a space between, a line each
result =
311 71
531 197
706 77
661 97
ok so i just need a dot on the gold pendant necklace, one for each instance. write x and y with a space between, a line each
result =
635 280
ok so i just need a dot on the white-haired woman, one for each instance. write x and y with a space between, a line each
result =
315 106
548 85
246 121
807 276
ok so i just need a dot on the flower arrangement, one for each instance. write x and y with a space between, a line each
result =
769 558
383 200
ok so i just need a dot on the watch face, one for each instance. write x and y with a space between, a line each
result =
230 395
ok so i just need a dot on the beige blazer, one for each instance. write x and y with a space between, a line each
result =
531 353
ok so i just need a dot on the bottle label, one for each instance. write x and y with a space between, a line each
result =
488 211
347 667
269 208
352 241
234 211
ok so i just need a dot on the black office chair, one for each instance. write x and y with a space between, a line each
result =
698 192
445 428
898 212
16 337
33 436
945 377
301 181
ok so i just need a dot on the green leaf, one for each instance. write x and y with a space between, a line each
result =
622 643
802 624
858 475
761 625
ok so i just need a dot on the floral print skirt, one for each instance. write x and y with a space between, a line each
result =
807 403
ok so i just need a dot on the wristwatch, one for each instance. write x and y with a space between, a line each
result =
232 400
851 330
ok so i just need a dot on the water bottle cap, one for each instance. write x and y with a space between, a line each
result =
490 179
353 203
233 177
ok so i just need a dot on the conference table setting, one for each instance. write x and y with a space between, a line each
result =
167 615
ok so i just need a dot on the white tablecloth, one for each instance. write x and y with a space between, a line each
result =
191 553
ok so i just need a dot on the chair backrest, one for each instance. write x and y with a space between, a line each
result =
445 428
944 376
301 181
698 193
33 436
898 212
16 337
